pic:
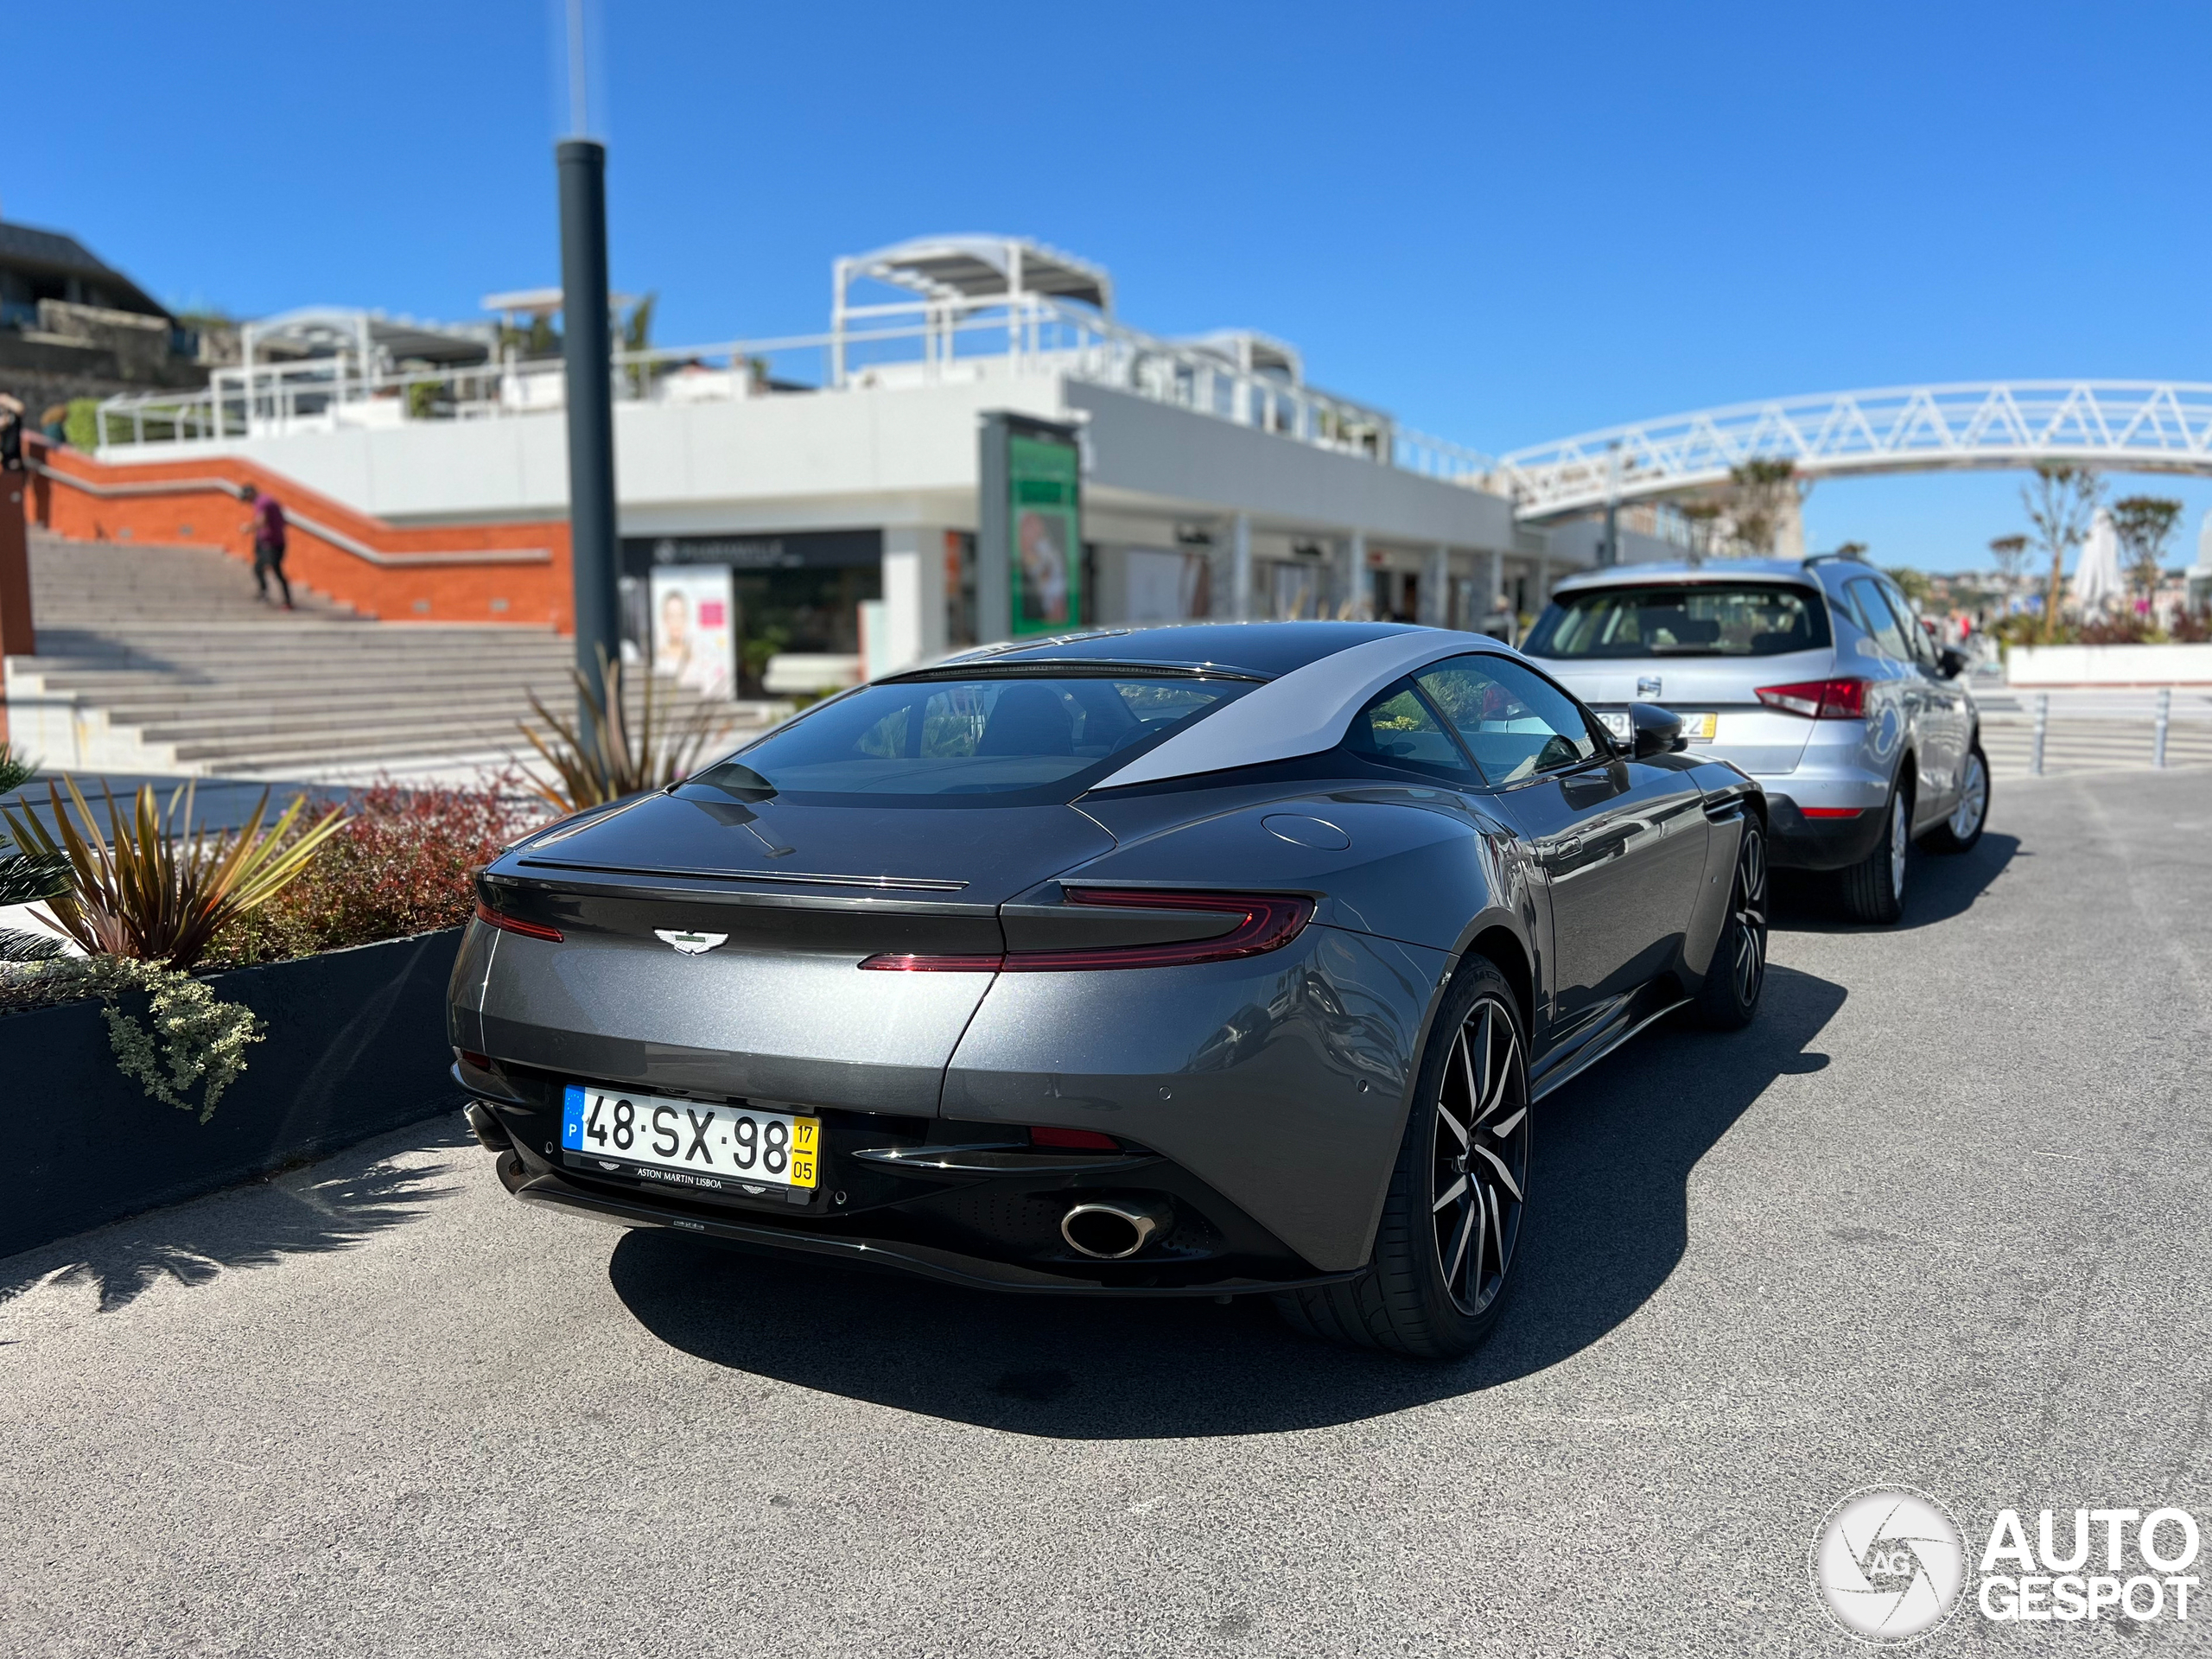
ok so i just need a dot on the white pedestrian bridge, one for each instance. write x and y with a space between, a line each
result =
2131 425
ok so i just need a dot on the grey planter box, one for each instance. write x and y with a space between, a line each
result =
356 1044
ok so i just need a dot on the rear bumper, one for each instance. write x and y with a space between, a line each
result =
1274 1085
1800 842
947 1267
967 1203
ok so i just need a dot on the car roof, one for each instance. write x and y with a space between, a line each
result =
1264 650
1681 570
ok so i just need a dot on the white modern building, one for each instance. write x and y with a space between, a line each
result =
841 468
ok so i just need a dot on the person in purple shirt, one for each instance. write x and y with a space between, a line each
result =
268 527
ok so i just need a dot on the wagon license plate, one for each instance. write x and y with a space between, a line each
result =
1699 728
716 1144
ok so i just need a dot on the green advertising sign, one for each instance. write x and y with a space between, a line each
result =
1044 500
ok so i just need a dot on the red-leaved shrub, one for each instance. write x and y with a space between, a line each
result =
400 865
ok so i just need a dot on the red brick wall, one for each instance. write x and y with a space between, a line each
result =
190 510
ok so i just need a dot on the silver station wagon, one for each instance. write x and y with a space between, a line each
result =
1816 678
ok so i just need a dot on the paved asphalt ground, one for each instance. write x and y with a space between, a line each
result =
1943 1216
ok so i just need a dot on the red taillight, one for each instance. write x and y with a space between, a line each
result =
491 918
481 1062
1818 699
1074 1140
1267 921
1832 812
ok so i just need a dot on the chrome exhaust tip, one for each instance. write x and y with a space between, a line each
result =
489 1133
1113 1230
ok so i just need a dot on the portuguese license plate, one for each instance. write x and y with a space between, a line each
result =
716 1144
1699 728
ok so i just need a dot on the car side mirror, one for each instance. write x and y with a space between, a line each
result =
1951 661
1654 731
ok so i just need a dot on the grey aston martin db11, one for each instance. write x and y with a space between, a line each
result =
1210 960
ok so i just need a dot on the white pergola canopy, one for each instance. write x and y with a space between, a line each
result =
1253 353
370 337
541 302
983 269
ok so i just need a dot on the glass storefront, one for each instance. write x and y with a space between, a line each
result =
798 592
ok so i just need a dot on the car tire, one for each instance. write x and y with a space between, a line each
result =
1729 999
1959 832
1445 1246
1872 890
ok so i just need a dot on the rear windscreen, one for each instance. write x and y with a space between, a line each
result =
1020 740
1704 619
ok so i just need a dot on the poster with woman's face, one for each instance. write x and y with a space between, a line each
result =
1044 542
694 632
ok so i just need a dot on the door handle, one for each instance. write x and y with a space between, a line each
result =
1571 845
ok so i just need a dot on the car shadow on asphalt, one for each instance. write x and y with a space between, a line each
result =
253 1226
1607 1224
1938 888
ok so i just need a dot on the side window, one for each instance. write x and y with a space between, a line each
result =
1873 611
1514 723
1917 639
1398 730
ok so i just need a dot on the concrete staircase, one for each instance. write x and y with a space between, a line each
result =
161 659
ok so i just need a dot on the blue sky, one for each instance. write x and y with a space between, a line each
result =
1506 225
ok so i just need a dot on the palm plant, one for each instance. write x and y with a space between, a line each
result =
27 879
156 889
600 756
16 769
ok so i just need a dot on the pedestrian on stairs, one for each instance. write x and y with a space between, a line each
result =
11 433
268 527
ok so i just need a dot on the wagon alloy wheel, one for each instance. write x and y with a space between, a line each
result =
1900 845
1478 1159
1872 890
1959 831
1973 800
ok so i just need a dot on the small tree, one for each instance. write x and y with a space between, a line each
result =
2144 524
1700 517
2061 504
2010 552
1914 583
1759 491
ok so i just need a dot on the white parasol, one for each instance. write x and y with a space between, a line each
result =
2096 578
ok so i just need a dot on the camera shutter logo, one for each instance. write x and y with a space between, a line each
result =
1889 1563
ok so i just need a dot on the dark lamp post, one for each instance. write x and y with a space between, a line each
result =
587 347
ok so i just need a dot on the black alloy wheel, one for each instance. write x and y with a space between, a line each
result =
1478 1158
1451 1223
1729 996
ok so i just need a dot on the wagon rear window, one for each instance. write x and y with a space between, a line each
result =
1702 619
